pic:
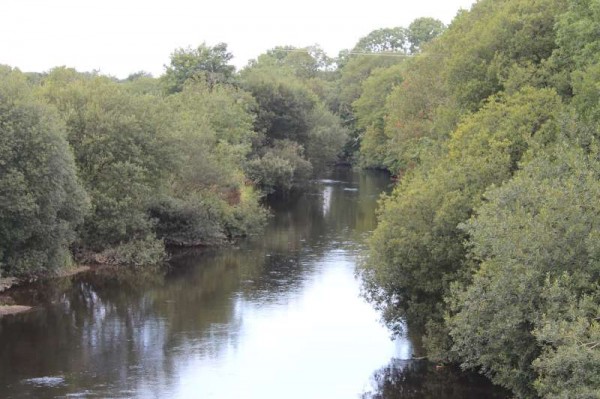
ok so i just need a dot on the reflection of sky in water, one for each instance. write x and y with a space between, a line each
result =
281 317
323 343
327 190
278 317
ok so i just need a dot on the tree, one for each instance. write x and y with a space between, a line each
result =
124 154
305 63
578 45
489 41
41 200
281 167
417 249
207 199
283 103
423 30
383 40
326 138
298 135
536 238
369 111
207 63
569 333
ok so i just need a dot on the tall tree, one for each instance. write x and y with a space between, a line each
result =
207 63
423 30
383 40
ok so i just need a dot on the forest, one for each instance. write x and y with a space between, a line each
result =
489 244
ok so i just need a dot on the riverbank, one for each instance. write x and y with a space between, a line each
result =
6 310
7 303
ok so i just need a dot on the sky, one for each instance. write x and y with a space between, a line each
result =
119 37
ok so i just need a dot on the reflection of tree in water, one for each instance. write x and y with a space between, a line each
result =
124 330
419 379
110 331
353 212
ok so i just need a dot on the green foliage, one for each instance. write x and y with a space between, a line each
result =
352 75
282 167
577 39
399 39
246 217
191 220
422 31
158 169
349 89
492 38
417 111
587 94
41 200
283 103
158 166
369 110
540 225
417 249
212 132
326 137
383 40
204 63
305 63
519 300
121 150
369 107
299 135
143 83
138 252
569 332
483 52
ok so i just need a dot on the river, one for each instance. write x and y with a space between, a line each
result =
278 316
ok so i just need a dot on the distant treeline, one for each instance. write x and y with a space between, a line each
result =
111 171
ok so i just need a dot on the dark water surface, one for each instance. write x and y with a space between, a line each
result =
276 317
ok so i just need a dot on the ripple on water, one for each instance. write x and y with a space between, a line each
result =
45 381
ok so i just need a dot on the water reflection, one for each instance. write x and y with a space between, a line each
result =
418 379
276 316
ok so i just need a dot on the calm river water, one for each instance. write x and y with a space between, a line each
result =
276 317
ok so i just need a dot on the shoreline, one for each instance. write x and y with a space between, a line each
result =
7 284
7 305
6 310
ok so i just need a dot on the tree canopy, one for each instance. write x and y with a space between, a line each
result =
208 63
488 243
41 200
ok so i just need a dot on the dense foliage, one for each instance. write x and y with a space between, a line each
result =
41 200
297 134
489 242
115 171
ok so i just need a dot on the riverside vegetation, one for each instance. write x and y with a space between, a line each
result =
489 244
114 171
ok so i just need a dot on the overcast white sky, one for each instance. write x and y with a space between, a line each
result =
119 37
